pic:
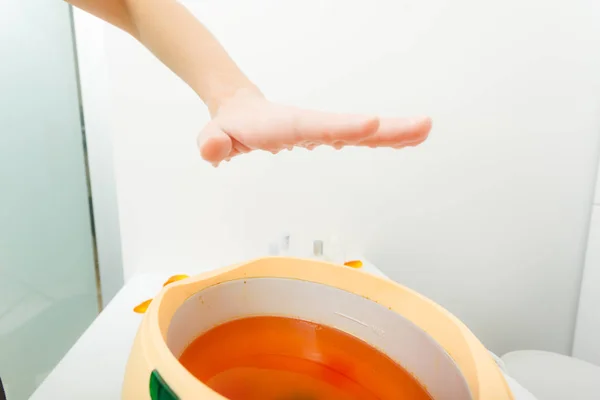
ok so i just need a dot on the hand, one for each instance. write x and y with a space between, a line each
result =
248 122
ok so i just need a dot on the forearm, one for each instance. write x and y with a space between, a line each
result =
180 41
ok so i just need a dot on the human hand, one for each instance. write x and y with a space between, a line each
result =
248 122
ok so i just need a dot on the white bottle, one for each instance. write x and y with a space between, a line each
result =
273 249
318 250
285 245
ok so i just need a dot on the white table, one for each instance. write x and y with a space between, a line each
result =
95 366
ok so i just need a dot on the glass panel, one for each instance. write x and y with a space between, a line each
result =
48 291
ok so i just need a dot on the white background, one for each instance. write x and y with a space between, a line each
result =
489 217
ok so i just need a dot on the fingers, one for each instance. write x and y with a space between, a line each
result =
214 144
239 147
399 132
311 129
233 153
330 128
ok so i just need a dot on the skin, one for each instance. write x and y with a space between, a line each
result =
242 119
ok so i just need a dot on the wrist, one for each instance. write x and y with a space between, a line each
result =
223 94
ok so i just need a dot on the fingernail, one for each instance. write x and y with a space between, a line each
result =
418 120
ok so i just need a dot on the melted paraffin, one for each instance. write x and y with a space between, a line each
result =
276 358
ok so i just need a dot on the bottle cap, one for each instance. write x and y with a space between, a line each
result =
285 242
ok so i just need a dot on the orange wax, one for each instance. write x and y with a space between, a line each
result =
276 358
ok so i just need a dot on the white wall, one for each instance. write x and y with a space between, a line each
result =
587 333
488 218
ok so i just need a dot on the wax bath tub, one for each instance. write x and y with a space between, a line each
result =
427 341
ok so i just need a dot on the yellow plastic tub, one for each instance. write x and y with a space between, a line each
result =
426 340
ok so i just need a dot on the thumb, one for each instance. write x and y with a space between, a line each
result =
214 144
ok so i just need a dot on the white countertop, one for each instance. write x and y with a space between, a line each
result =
95 366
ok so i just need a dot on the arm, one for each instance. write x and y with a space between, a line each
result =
180 41
242 119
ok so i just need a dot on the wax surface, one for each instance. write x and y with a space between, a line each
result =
276 358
